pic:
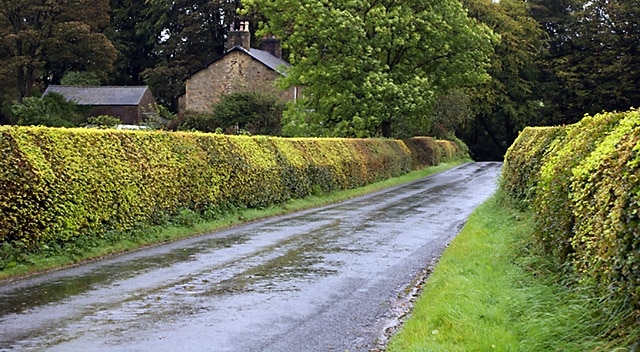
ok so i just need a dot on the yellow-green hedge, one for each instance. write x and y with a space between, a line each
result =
521 168
582 183
554 214
59 183
605 194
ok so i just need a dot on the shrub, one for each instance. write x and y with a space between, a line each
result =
59 184
522 162
238 113
52 110
197 121
554 216
253 112
103 121
605 192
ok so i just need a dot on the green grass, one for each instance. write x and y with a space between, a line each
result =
87 249
491 292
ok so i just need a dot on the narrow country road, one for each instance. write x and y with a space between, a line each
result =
327 279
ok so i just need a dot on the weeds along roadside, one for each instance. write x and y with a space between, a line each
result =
492 291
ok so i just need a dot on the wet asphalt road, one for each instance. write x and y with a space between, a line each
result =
327 279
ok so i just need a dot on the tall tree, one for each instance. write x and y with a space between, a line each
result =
41 40
510 100
594 59
369 66
185 35
133 41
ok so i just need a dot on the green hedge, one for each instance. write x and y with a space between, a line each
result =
605 193
521 168
582 183
57 184
554 215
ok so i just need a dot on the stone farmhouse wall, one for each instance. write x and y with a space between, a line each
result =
236 72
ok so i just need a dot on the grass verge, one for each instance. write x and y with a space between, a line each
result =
491 292
190 224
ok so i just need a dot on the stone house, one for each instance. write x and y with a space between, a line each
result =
241 69
128 103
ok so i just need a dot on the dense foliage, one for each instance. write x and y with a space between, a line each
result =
42 40
554 213
57 184
606 198
239 113
479 69
180 36
507 102
522 162
586 192
52 110
593 63
373 68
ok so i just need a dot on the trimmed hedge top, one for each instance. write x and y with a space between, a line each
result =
60 183
583 184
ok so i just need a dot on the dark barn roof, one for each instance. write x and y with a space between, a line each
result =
100 95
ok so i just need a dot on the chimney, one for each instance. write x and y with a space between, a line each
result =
271 44
240 37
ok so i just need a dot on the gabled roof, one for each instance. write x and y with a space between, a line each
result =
264 57
100 95
273 62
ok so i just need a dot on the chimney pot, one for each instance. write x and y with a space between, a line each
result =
240 37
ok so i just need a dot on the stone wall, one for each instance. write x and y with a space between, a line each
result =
235 72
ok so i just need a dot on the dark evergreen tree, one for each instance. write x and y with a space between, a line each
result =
184 35
133 41
42 40
593 62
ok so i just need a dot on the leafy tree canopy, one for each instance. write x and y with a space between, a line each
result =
594 57
510 100
75 78
369 65
41 40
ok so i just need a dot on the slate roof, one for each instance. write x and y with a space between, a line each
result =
273 62
100 95
264 57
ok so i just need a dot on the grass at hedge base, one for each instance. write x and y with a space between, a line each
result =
187 224
490 293
585 198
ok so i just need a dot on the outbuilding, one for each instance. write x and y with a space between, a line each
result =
128 103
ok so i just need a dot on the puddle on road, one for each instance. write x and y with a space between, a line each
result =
17 300
277 274
299 258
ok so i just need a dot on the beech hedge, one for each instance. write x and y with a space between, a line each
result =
59 183
521 168
554 210
582 183
605 194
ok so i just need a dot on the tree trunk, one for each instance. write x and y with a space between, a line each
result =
385 127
